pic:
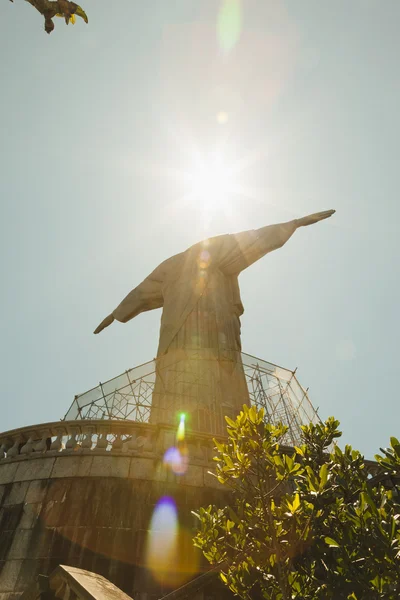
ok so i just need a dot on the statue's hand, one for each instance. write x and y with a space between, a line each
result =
314 218
105 323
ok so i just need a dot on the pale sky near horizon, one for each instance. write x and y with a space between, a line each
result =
300 99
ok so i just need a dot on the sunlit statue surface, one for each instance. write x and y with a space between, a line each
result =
199 368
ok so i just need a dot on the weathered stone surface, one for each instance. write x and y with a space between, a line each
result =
142 468
110 466
57 508
161 473
34 468
20 545
15 493
36 491
10 595
6 542
7 471
72 466
29 571
40 543
97 521
193 476
9 572
30 515
10 517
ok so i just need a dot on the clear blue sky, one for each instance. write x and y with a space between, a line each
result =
97 118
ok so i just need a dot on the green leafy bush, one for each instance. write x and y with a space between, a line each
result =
308 522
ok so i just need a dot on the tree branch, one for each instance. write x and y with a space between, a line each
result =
57 8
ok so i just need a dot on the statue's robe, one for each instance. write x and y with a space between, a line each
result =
199 367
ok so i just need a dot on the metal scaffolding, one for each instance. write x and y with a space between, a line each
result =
129 397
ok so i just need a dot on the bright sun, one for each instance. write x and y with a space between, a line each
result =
211 182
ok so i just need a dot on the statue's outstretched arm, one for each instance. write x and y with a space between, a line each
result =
273 237
278 235
146 296
314 218
250 246
105 323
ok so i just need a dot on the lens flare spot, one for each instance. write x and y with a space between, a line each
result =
204 259
222 117
162 539
180 435
177 459
170 555
229 24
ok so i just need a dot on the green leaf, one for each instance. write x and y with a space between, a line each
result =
228 461
229 525
233 516
394 442
81 13
296 503
289 462
394 527
220 447
312 480
223 577
377 583
366 499
253 414
240 455
331 542
323 475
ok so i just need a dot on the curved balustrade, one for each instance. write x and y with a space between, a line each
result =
100 436
108 436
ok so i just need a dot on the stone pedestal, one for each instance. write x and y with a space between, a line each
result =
86 497
203 384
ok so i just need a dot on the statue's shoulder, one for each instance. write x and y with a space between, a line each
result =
215 241
168 266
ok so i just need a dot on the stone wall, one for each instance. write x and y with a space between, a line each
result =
91 508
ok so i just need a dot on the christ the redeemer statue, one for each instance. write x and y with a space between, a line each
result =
199 368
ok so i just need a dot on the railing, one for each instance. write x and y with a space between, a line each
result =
108 436
99 436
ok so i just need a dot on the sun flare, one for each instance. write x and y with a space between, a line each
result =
212 183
